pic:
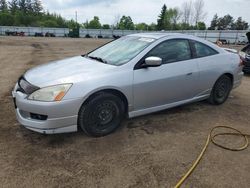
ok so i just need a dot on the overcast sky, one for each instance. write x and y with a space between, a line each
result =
140 10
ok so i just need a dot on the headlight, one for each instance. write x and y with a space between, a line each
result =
51 93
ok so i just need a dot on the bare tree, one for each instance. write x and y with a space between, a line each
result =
187 12
199 13
116 21
177 15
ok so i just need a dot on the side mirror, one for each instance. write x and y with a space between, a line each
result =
152 62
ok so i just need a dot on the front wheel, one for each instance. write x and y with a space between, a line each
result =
221 90
101 115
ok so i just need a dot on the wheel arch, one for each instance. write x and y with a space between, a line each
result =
230 75
113 91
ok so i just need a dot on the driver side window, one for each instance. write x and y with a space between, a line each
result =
172 51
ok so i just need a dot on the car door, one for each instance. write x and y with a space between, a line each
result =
173 81
209 65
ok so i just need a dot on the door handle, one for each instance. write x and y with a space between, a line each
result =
190 73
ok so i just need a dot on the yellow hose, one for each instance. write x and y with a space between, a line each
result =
211 137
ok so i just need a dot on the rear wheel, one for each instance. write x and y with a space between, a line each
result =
102 115
221 90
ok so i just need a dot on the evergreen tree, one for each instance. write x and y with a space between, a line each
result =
226 22
214 23
37 6
161 18
240 24
21 13
29 5
3 6
13 6
22 6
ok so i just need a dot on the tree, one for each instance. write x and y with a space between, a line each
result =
185 26
126 23
37 6
141 26
187 13
161 18
85 24
21 13
22 6
168 18
226 22
214 23
49 23
201 26
152 27
29 6
171 18
240 24
176 15
117 19
6 19
199 13
13 6
72 24
3 6
106 26
95 23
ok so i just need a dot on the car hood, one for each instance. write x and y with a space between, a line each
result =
63 71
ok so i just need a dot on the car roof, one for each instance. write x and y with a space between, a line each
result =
158 35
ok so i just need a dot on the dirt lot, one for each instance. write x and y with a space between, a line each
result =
149 151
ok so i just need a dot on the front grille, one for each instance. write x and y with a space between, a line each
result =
25 86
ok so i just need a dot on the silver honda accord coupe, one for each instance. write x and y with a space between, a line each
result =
128 77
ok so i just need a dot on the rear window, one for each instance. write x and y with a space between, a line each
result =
203 50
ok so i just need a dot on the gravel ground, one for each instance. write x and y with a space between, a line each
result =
149 151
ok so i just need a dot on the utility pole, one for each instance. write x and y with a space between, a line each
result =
76 16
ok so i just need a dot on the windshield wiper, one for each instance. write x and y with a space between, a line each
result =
98 59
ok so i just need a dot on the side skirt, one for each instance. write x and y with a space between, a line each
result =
166 106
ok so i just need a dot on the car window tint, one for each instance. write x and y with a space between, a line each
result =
203 50
172 51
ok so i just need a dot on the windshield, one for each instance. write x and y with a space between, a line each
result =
120 51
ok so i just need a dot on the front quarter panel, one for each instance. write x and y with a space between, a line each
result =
120 79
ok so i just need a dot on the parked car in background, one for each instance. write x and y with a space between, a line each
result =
245 54
131 76
223 41
243 39
37 34
14 33
48 34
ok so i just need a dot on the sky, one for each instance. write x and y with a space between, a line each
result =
140 10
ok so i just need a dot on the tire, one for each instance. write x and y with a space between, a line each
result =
221 90
101 115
